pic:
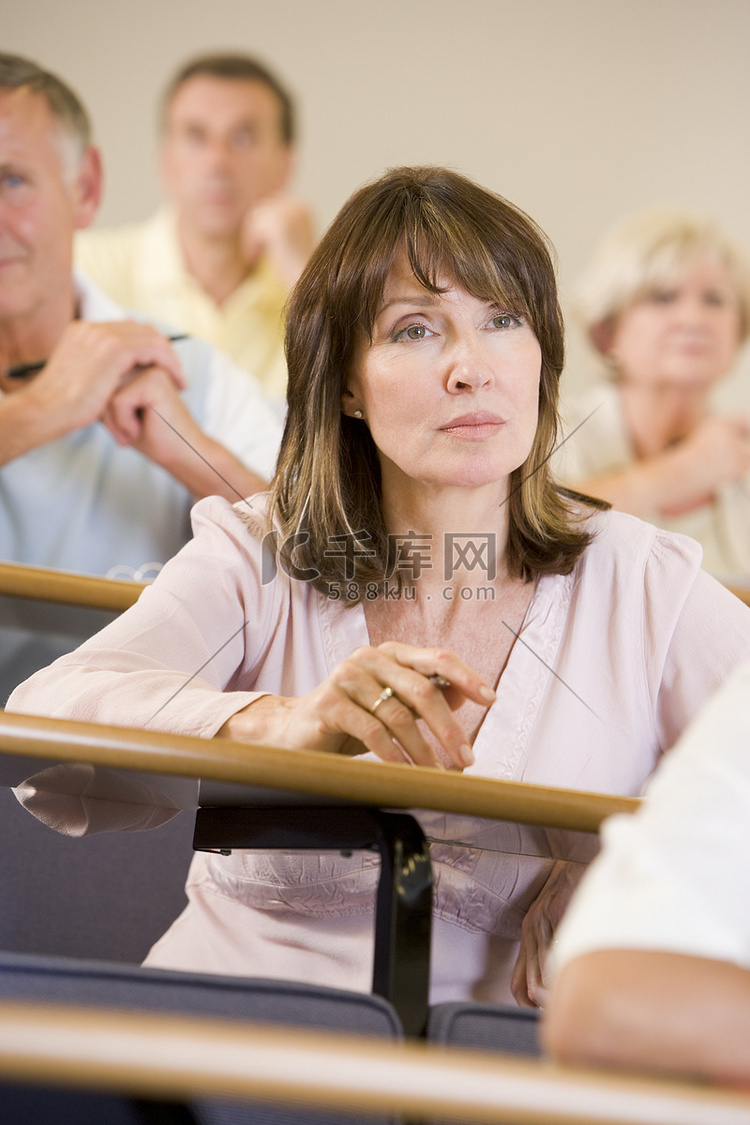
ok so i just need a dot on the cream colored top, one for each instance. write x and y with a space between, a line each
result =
602 445
141 267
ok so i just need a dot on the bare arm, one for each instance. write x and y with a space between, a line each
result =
149 414
281 227
652 1011
682 477
89 364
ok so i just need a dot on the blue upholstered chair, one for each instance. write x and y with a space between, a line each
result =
107 896
485 1027
61 980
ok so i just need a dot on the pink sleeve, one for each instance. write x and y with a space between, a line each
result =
174 660
705 635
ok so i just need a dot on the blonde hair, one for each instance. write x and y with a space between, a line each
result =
648 251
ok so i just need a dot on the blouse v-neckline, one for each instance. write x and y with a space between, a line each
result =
501 739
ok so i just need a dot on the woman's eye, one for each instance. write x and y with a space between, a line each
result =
505 320
662 296
412 332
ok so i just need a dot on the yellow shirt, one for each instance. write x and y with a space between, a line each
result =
141 267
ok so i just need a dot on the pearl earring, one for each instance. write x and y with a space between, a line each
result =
358 414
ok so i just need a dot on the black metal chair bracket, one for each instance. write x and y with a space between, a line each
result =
403 918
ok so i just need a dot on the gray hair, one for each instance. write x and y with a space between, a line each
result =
72 120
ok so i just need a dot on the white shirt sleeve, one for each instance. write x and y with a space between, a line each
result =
242 417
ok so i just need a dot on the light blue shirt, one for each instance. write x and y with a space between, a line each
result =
85 503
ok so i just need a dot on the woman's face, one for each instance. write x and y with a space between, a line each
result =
449 386
687 333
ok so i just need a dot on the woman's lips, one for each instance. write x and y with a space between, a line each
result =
475 427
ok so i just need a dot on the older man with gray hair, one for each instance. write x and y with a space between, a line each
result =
108 430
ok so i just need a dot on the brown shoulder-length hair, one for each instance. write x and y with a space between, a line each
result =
326 499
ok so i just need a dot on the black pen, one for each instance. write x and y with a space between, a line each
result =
22 370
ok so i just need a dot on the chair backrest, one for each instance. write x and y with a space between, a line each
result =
35 1105
108 896
45 613
486 1027
34 633
120 986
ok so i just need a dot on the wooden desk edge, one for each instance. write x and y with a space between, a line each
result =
43 584
188 1056
304 771
47 584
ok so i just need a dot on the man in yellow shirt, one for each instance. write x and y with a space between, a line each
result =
220 258
109 431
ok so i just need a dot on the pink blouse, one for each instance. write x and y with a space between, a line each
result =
612 663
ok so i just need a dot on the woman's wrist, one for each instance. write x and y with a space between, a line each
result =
259 721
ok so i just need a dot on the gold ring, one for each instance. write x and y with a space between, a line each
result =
386 693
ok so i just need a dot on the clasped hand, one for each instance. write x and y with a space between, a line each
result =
115 372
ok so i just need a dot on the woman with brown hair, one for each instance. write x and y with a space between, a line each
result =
418 587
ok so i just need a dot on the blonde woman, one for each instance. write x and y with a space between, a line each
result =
666 304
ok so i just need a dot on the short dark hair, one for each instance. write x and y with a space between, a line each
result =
65 106
236 68
328 478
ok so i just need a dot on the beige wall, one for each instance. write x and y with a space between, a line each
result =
577 110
